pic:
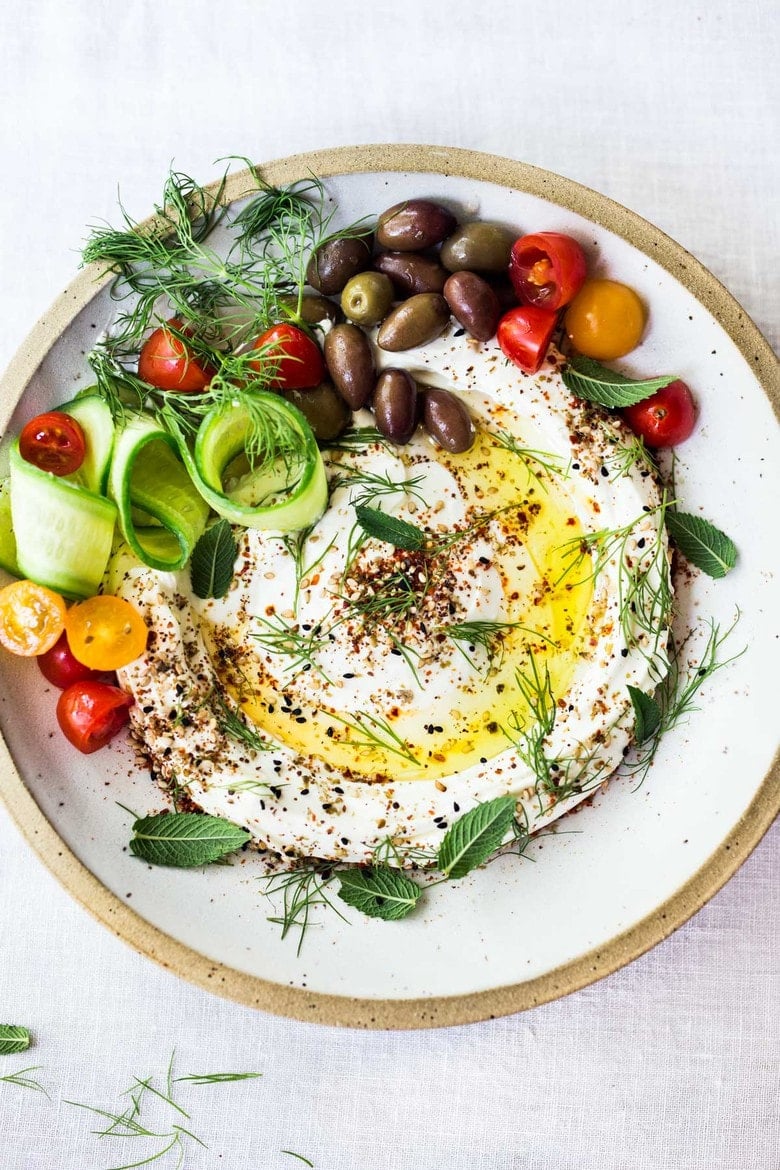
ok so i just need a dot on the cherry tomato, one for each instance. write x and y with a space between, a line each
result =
664 419
547 269
60 668
105 632
299 360
91 713
53 442
605 320
167 363
32 618
524 335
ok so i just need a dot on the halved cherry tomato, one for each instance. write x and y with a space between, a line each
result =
167 363
105 632
91 713
60 668
298 360
664 419
32 618
524 335
605 320
547 269
53 442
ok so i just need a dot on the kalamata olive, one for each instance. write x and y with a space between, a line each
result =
395 405
480 247
313 308
414 322
350 364
411 272
335 261
367 297
504 289
323 408
413 225
473 303
447 420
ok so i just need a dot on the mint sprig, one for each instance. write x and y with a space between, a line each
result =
213 558
397 532
647 714
590 380
13 1038
701 543
379 892
185 840
474 836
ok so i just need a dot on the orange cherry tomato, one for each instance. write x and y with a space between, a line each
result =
105 632
32 618
167 363
605 320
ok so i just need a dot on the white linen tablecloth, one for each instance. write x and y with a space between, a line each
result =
670 109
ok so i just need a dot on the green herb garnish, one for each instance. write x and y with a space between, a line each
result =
590 380
379 892
397 532
701 543
471 840
213 558
13 1038
647 714
185 839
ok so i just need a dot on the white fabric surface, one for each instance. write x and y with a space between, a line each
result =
670 109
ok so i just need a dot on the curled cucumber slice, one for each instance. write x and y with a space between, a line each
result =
161 513
257 464
63 532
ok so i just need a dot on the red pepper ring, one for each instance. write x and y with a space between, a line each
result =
547 269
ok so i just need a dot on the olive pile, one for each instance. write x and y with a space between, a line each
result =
410 291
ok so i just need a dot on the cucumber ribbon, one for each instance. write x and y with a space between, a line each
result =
257 465
161 513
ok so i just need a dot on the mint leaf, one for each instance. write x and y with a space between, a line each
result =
647 714
590 380
380 892
213 558
397 532
473 837
13 1039
185 839
700 542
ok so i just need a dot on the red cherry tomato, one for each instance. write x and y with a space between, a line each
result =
524 335
547 269
53 442
299 361
168 364
666 418
60 668
91 713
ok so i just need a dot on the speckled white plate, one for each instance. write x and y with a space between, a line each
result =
620 874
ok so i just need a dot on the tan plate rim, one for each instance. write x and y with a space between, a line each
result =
436 1011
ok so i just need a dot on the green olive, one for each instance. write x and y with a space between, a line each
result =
323 408
478 247
414 322
367 298
313 309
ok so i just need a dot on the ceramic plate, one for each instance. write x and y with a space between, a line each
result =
618 875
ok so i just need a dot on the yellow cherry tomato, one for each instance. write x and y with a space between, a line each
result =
605 320
105 632
32 618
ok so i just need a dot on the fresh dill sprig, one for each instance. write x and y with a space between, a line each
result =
23 1079
303 890
675 696
532 459
231 723
529 735
378 735
490 636
373 486
295 642
396 595
295 544
629 454
358 439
